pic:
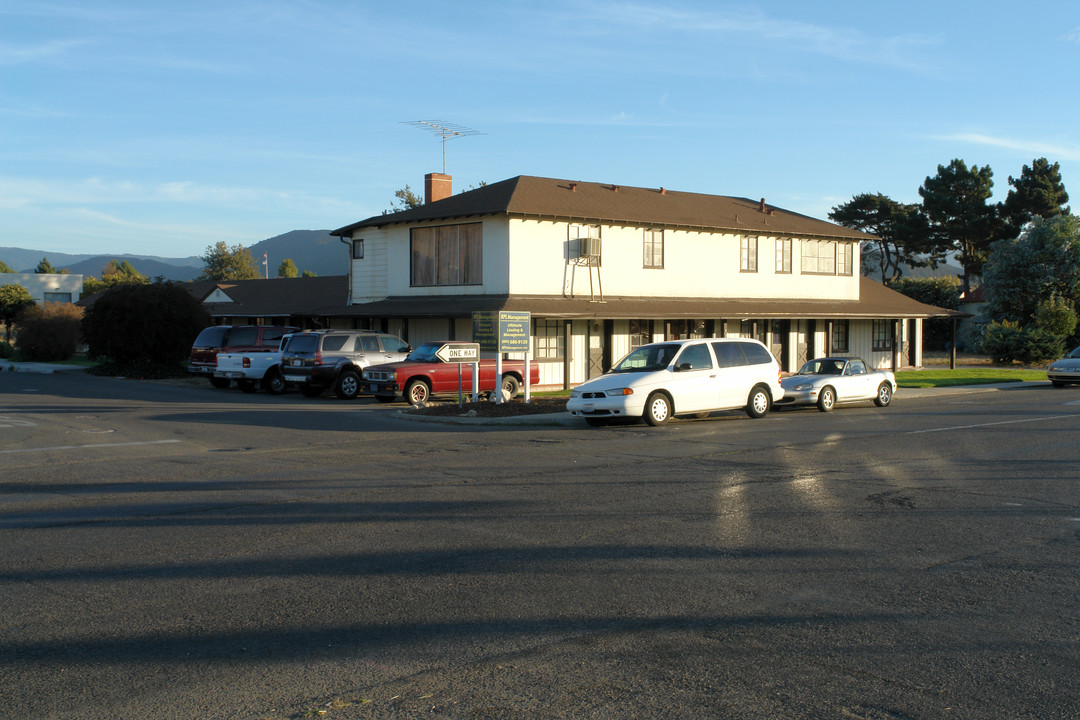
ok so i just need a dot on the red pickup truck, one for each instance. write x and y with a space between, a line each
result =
422 374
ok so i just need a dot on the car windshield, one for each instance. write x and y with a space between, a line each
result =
647 358
425 353
822 367
1074 354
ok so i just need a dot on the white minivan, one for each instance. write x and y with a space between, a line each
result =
680 377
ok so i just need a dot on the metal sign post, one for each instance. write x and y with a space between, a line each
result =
459 353
502 332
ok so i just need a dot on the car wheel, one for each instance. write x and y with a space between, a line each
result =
309 390
247 386
511 386
657 409
759 402
884 395
274 384
417 392
220 383
348 385
826 399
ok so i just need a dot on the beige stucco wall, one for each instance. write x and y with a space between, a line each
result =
696 264
531 257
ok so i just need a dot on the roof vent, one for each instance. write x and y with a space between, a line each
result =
615 188
663 191
573 187
772 211
762 205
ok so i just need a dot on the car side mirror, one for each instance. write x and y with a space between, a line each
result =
683 367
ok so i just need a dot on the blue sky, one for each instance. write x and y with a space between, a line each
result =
162 128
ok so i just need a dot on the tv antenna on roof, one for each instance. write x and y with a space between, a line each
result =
445 130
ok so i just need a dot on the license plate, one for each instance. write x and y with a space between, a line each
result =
587 408
296 363
374 388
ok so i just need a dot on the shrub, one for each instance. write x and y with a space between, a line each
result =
1001 341
50 331
1056 316
144 330
1006 342
6 351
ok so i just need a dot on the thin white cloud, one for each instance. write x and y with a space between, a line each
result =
1030 147
1073 37
755 27
21 54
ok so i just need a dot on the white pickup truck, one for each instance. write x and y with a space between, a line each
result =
254 370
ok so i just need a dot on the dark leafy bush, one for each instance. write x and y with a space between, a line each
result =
6 351
49 332
143 330
1005 342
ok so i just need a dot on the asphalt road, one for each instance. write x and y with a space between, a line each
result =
174 551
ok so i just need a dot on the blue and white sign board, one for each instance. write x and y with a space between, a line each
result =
502 331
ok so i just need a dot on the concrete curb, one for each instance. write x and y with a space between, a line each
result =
550 419
39 368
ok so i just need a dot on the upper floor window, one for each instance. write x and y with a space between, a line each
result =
446 255
653 249
844 254
585 242
747 253
783 255
358 249
819 257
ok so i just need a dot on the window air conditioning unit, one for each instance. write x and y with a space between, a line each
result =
589 247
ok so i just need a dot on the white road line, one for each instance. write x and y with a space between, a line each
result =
1003 422
84 447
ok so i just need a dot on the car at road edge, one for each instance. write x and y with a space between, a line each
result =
827 382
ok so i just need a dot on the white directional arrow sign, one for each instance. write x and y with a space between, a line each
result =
459 352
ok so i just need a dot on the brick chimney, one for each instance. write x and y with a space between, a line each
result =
437 186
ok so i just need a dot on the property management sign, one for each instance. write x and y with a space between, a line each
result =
502 331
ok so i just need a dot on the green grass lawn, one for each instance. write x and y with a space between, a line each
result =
965 376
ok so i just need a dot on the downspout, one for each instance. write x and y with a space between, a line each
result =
348 291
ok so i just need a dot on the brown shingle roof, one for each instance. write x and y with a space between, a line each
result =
526 196
875 301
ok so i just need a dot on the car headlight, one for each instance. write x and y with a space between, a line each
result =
1055 368
575 393
620 391
804 386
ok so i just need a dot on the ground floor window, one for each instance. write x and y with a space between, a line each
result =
640 333
882 336
840 336
683 329
549 341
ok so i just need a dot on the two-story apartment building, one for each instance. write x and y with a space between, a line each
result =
603 268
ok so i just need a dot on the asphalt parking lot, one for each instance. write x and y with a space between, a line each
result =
177 552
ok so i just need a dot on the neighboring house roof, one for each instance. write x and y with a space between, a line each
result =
275 297
978 295
876 301
526 196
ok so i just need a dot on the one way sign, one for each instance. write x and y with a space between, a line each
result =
459 352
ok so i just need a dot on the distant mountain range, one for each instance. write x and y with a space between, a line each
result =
313 250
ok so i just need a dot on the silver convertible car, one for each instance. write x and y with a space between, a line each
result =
825 382
1066 370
